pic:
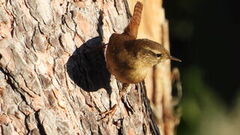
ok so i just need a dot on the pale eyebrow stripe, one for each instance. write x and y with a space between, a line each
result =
153 51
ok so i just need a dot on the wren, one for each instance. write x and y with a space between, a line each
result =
130 59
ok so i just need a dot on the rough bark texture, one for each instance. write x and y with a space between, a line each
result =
53 78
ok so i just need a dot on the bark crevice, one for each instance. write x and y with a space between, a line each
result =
10 80
40 124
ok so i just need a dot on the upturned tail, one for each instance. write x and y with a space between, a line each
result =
132 28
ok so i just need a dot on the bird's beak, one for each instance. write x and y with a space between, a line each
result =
175 59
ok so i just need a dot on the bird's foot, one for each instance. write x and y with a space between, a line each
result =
109 113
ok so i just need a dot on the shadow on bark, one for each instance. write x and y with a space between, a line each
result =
87 67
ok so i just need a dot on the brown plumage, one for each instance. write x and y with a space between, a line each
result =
132 28
130 59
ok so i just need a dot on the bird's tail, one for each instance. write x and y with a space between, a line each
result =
132 28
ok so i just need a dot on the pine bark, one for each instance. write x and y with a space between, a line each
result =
53 77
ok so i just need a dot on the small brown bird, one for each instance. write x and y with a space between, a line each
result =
129 59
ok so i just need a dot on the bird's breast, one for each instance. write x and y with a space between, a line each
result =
127 74
122 63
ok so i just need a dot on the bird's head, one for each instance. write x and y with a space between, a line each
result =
151 52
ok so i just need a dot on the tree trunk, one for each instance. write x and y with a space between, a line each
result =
53 78
154 26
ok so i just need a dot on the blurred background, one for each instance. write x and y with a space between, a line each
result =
205 35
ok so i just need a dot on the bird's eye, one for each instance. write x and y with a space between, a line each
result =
159 55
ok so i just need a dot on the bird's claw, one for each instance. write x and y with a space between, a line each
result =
109 113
